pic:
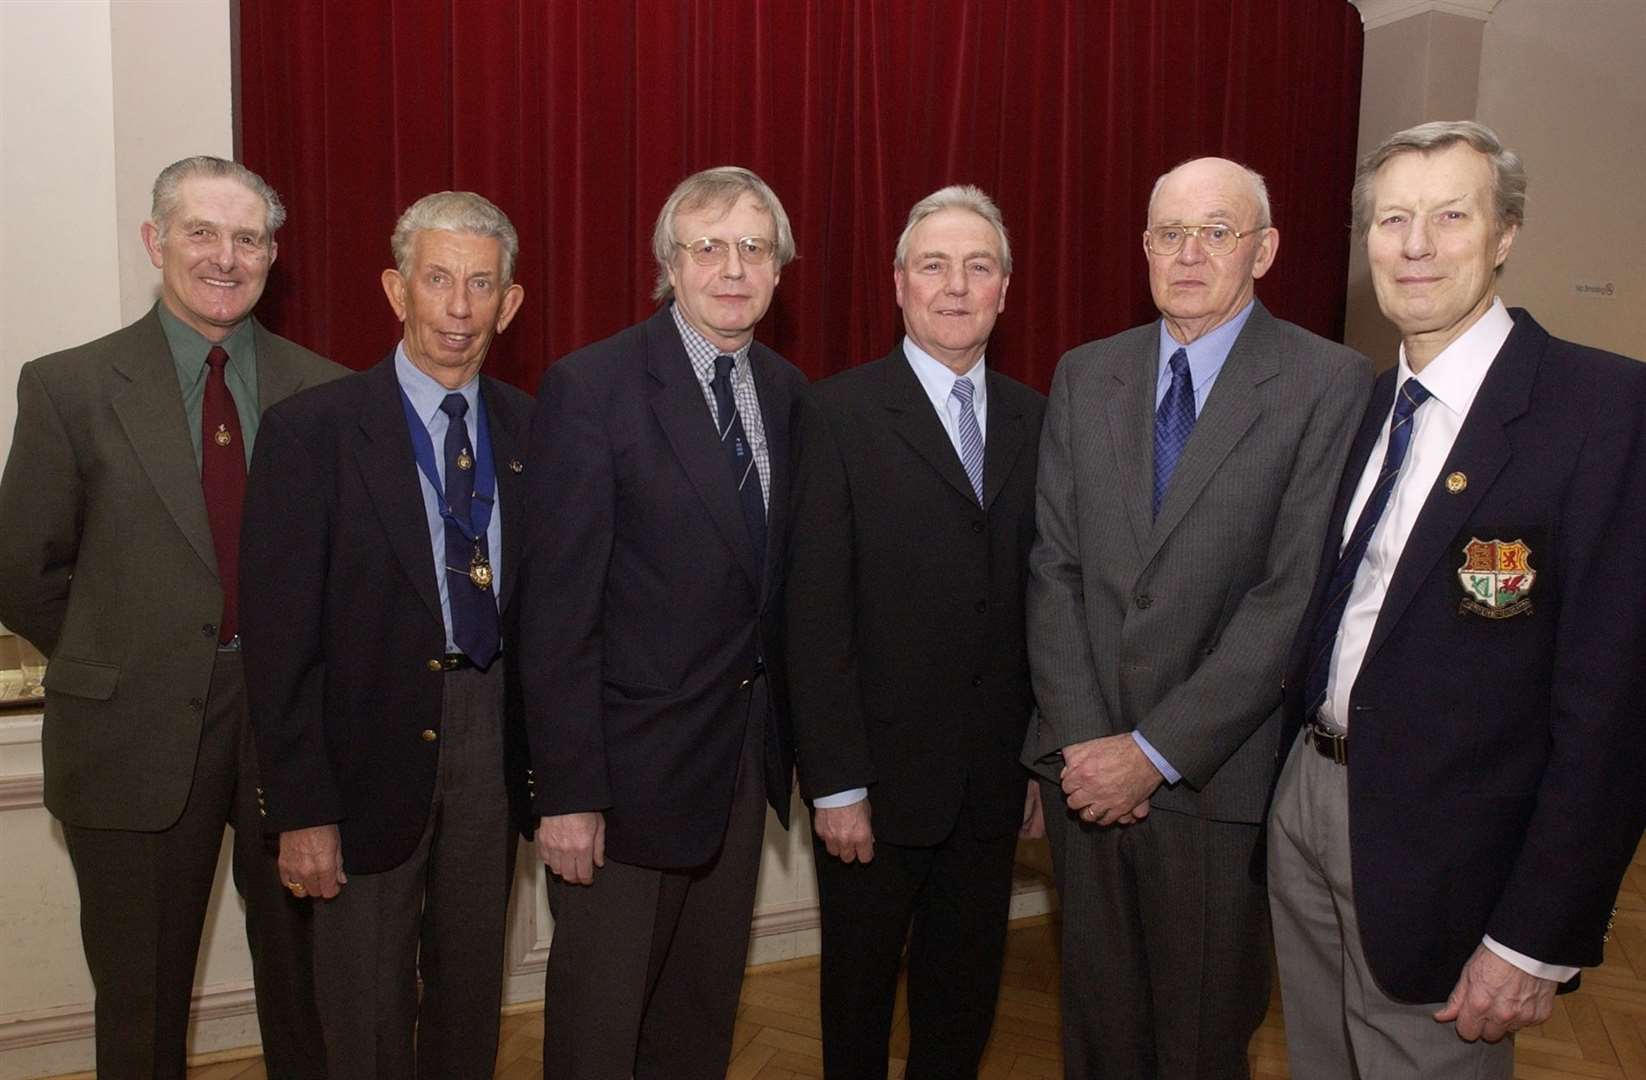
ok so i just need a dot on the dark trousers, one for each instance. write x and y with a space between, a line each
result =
1165 945
950 902
441 914
143 899
646 965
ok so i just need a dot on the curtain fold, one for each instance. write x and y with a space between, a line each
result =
578 117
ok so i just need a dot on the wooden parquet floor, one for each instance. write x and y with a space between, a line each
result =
1597 1033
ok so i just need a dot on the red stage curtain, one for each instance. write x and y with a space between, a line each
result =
577 118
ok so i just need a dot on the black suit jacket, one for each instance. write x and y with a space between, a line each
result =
644 619
908 667
1496 764
340 612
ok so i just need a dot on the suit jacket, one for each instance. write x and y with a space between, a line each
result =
645 618
1179 625
340 612
1496 765
107 566
908 666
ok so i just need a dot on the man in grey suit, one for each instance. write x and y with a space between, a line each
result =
1186 471
119 541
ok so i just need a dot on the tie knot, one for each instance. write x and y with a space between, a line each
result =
962 391
723 366
1412 394
217 358
1179 364
455 406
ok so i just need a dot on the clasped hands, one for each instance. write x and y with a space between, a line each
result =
1108 781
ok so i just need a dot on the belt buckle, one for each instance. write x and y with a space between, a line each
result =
1329 744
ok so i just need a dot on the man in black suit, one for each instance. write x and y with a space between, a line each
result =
647 629
908 669
384 514
1463 792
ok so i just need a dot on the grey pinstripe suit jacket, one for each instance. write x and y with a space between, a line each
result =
1179 625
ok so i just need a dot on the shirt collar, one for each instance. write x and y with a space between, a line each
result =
1454 376
938 380
189 348
423 391
701 351
1207 353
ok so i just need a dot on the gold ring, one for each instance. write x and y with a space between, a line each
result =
296 888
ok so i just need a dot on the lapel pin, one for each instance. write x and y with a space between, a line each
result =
1456 482
515 466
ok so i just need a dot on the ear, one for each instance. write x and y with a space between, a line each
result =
898 277
1504 243
394 287
1268 246
274 251
151 242
512 300
1005 283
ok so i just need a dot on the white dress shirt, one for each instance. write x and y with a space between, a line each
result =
1453 379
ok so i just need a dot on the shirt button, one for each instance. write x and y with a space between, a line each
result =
429 735
1144 601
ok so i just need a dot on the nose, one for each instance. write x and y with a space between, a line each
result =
1417 243
732 267
223 255
955 282
458 304
1191 252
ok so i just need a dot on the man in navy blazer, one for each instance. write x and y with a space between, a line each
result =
648 624
384 514
1464 787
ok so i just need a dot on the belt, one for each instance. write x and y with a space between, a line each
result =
1331 745
452 661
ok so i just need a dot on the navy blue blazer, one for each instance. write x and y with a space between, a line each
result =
1497 747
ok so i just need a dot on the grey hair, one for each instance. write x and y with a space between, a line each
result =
718 187
459 212
956 197
1260 190
1508 172
167 196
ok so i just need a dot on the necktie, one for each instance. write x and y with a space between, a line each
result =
740 455
223 482
971 436
1412 394
473 606
1173 424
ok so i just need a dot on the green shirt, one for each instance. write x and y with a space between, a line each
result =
188 352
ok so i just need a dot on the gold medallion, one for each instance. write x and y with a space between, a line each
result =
464 461
515 466
222 437
480 571
1456 482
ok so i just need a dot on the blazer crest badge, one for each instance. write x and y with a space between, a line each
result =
1497 578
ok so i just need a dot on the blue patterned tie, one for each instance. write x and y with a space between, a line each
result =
971 436
1412 394
474 609
741 456
1173 424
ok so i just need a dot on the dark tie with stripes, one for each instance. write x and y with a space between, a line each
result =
1173 424
473 608
741 456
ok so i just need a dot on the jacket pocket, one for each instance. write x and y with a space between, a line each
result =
81 678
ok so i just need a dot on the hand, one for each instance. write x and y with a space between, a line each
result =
1034 817
1107 779
572 845
311 861
1134 815
845 831
1493 998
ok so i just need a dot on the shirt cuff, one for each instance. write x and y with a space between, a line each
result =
1172 775
1557 972
841 798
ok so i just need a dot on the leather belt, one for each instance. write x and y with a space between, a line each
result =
452 661
1331 745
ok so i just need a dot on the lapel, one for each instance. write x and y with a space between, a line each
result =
1231 409
916 423
388 470
276 379
1129 413
507 445
774 416
677 402
1003 441
150 410
1481 451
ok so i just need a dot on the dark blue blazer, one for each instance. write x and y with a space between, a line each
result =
1497 766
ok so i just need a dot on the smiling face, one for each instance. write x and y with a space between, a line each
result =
452 301
213 253
1195 291
723 302
951 287
1435 245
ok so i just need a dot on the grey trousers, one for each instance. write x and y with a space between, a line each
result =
1339 1022
441 914
143 899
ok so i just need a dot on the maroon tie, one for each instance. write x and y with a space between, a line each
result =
223 479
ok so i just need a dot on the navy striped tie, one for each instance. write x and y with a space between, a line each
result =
971 436
1173 424
741 455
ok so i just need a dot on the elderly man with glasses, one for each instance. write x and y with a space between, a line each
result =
647 621
1185 476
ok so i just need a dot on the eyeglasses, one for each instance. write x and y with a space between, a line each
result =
1217 239
708 251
